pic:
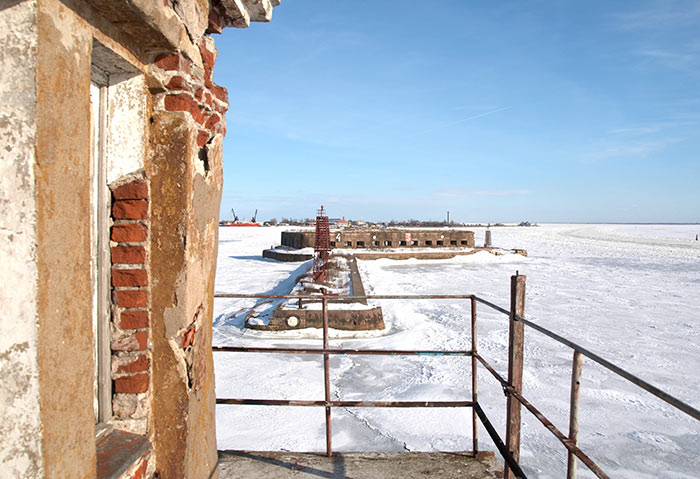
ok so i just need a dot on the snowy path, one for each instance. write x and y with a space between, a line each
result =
628 293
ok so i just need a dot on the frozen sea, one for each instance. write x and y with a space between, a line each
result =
630 293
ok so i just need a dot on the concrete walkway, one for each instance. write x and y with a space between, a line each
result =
374 465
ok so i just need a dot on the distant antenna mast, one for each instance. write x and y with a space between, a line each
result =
322 246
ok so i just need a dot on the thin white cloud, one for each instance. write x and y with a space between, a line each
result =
457 192
631 149
660 15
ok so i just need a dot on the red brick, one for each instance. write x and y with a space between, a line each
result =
207 56
184 102
188 338
129 233
208 99
202 137
213 120
134 342
134 320
198 94
132 298
172 62
136 190
129 277
139 364
177 83
132 384
220 92
130 209
128 255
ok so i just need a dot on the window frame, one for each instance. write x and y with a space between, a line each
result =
101 260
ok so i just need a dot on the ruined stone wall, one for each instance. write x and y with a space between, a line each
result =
166 124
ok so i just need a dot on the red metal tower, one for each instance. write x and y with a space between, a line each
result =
322 246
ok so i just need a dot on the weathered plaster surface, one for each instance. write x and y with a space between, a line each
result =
20 424
170 144
64 304
127 136
195 16
183 252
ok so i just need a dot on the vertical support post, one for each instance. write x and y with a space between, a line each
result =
475 419
327 377
573 411
515 368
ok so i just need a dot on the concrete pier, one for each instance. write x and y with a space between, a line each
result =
359 465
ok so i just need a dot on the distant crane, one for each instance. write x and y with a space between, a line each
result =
255 216
235 218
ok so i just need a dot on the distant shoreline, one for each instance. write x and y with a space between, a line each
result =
613 223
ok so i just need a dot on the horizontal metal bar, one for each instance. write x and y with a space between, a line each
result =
332 298
491 305
675 402
292 402
371 352
546 422
505 453
559 435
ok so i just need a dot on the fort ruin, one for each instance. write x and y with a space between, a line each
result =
384 238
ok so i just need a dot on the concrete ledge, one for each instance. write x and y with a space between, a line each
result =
288 257
118 451
347 319
440 253
385 465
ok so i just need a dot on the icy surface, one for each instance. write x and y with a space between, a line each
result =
629 293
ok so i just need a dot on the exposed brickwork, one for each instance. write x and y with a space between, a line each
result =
130 210
129 277
192 90
128 255
134 320
128 298
131 361
136 190
138 383
130 364
129 233
132 342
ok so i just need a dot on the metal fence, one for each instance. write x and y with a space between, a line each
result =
512 385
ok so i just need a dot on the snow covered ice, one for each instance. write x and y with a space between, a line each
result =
627 292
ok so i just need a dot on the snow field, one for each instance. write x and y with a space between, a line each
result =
626 292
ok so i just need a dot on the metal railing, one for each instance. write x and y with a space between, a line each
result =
512 386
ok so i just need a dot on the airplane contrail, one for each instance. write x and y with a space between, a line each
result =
474 117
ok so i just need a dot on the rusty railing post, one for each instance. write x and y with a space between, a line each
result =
475 419
515 368
573 412
327 377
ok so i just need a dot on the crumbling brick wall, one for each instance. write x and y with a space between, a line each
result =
130 326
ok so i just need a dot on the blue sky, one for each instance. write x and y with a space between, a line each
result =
547 111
